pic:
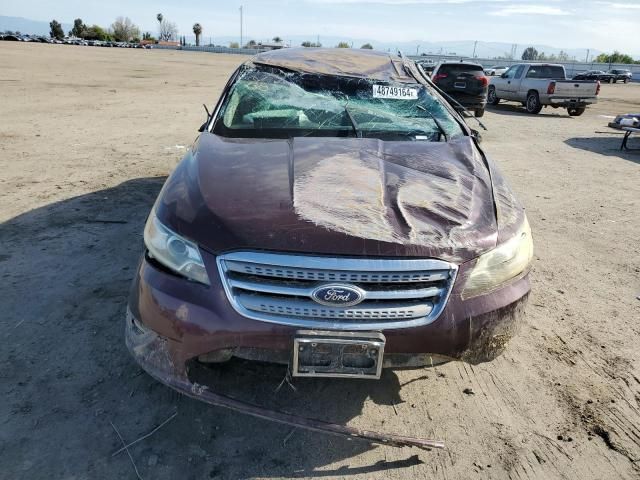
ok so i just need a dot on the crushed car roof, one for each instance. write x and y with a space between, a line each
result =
344 62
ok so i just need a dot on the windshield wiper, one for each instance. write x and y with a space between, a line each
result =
354 124
436 121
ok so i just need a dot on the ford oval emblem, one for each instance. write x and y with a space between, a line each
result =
338 295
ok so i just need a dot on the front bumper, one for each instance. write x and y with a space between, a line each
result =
172 322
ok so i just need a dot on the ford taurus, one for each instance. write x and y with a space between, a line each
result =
337 215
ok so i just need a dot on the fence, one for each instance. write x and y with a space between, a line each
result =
191 48
572 68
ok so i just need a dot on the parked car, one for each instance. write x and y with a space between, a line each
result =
465 82
621 75
492 71
538 85
595 75
335 213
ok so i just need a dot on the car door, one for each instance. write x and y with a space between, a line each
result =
513 86
503 87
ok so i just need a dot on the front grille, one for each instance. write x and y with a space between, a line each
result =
278 288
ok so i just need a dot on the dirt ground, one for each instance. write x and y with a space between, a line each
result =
87 137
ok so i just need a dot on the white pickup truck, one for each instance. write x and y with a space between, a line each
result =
538 85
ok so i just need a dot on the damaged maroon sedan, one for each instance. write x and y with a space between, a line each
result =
337 215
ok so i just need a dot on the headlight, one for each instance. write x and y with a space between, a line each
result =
173 251
501 264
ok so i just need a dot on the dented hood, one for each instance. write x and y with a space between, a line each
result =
335 196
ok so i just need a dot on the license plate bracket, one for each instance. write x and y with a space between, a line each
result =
319 353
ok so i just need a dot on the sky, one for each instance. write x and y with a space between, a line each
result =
599 24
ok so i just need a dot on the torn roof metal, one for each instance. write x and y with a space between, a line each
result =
345 62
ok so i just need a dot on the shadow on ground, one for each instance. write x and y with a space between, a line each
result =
515 109
66 270
608 145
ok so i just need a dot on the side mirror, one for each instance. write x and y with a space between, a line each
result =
504 75
476 134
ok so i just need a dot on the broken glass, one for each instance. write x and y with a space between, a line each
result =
272 103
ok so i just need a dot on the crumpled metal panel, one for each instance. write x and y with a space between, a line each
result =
369 197
368 64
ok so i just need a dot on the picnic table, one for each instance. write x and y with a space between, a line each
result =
629 131
619 124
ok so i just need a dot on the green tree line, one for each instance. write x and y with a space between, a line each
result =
530 53
121 30
616 57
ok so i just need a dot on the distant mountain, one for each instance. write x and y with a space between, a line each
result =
26 26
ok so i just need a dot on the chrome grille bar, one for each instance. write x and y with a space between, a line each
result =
283 289
278 288
303 308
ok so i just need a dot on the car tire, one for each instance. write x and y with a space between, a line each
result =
611 80
479 112
575 112
626 80
492 98
533 103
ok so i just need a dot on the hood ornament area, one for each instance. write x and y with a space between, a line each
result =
338 295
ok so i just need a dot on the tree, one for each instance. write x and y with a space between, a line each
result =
168 30
147 36
95 32
124 30
277 39
310 44
615 57
367 46
56 30
530 53
159 17
78 29
343 45
234 45
251 44
197 30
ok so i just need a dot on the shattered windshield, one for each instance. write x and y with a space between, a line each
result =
271 103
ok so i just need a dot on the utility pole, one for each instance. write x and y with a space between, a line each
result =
475 44
241 42
587 59
417 50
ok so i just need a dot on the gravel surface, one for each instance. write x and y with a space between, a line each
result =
87 137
